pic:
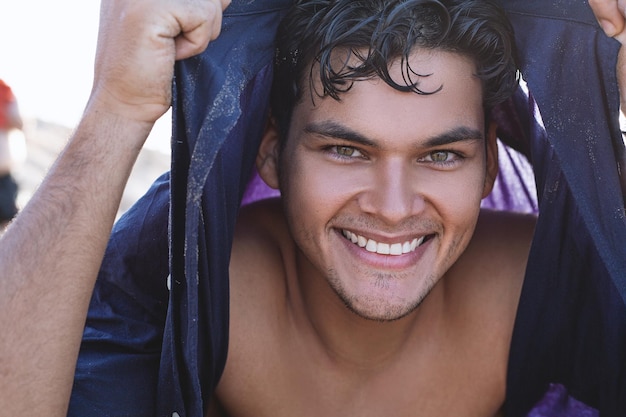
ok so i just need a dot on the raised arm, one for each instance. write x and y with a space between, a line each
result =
51 253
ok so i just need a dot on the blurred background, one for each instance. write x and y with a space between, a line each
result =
47 50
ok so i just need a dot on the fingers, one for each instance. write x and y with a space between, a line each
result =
198 26
610 15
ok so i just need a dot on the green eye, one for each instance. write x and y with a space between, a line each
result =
440 156
442 159
345 151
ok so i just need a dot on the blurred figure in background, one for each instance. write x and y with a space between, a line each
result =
9 119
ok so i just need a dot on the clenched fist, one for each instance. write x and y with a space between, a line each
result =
138 42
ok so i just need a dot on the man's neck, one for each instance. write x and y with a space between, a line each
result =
349 340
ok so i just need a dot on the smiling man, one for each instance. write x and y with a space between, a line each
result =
375 285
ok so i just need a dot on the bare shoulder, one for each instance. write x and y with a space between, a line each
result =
498 252
488 278
260 242
261 221
262 252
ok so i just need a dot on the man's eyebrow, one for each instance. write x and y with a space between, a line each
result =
458 134
336 130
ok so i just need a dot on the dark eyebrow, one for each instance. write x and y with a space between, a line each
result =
335 130
458 134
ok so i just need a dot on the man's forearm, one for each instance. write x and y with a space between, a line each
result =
50 255
50 258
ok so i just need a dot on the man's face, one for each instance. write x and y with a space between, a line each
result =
382 189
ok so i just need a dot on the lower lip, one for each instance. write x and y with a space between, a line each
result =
376 260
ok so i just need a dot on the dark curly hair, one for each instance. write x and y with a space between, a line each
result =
370 35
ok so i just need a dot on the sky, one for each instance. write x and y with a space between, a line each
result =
47 50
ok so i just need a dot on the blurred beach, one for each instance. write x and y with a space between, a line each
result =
41 143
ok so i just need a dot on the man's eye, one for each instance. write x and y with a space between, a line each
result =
347 151
440 156
442 159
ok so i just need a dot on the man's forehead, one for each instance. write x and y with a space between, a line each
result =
424 69
374 109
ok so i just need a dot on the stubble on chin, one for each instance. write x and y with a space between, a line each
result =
376 308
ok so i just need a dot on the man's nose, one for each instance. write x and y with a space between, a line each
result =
394 193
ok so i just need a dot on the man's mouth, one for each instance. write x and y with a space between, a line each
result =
396 249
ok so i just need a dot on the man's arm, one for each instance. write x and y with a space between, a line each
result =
51 253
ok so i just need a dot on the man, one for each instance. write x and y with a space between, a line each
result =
42 337
369 288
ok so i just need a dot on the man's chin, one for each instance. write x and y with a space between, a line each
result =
381 311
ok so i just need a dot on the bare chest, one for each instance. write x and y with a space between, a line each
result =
452 383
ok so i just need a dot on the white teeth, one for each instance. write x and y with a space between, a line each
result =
396 249
371 245
383 248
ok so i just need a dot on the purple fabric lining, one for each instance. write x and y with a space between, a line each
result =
514 189
257 190
558 403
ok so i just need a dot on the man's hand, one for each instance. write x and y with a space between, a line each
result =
138 42
610 15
